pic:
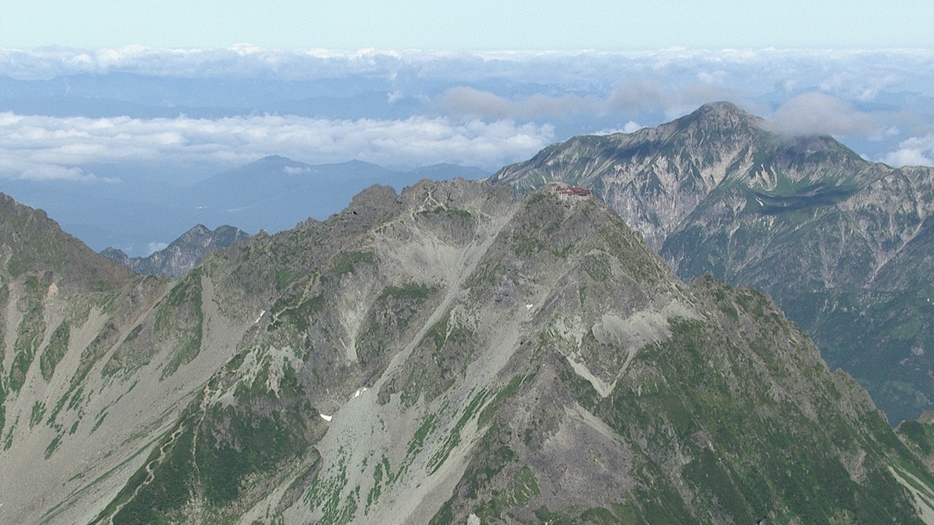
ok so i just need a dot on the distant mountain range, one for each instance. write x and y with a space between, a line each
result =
276 193
183 254
271 194
844 246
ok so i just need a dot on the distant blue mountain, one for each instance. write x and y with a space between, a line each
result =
138 216
275 193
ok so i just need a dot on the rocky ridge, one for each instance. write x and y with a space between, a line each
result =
450 354
841 244
183 254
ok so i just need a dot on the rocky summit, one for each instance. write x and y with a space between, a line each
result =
844 246
183 254
450 354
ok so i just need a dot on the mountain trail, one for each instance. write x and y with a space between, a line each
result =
150 474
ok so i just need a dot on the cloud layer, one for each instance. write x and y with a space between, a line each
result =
44 148
627 97
414 108
820 114
916 151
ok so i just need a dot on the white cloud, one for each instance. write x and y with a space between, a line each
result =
470 101
639 95
39 172
820 114
155 247
628 97
675 101
715 77
631 127
916 151
49 147
842 73
475 102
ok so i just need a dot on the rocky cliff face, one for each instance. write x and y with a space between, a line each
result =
841 244
450 354
180 257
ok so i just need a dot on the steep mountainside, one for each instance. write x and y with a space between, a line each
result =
180 257
42 266
32 243
447 355
842 245
95 365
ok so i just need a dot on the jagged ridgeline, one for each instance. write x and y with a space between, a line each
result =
447 355
844 246
180 257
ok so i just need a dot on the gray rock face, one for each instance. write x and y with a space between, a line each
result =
842 245
653 178
447 355
180 257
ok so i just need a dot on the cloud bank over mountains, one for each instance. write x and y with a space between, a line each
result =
64 113
47 148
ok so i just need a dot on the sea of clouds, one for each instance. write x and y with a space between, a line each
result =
65 111
43 148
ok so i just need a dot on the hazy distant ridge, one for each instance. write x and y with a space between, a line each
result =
183 254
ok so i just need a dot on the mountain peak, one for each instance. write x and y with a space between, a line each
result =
183 254
720 191
721 106
721 114
32 242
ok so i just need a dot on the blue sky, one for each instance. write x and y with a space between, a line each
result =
469 25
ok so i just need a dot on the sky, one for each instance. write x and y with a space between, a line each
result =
468 25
